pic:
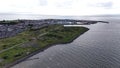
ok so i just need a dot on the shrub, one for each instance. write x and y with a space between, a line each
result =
5 57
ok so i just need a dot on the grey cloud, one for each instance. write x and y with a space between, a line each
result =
65 4
43 2
107 5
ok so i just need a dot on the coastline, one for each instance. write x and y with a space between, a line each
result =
39 51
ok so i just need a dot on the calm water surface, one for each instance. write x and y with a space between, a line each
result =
97 48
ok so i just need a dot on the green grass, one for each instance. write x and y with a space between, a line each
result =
9 22
44 37
20 38
14 54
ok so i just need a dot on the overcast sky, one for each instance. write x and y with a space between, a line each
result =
60 7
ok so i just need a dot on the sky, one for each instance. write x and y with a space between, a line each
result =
60 7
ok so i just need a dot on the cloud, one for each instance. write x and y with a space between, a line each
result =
64 4
43 2
61 7
107 5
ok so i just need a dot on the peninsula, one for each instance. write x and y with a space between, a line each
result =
21 39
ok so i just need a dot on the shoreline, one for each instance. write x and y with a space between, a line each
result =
39 51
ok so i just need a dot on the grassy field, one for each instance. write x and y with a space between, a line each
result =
29 41
9 22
